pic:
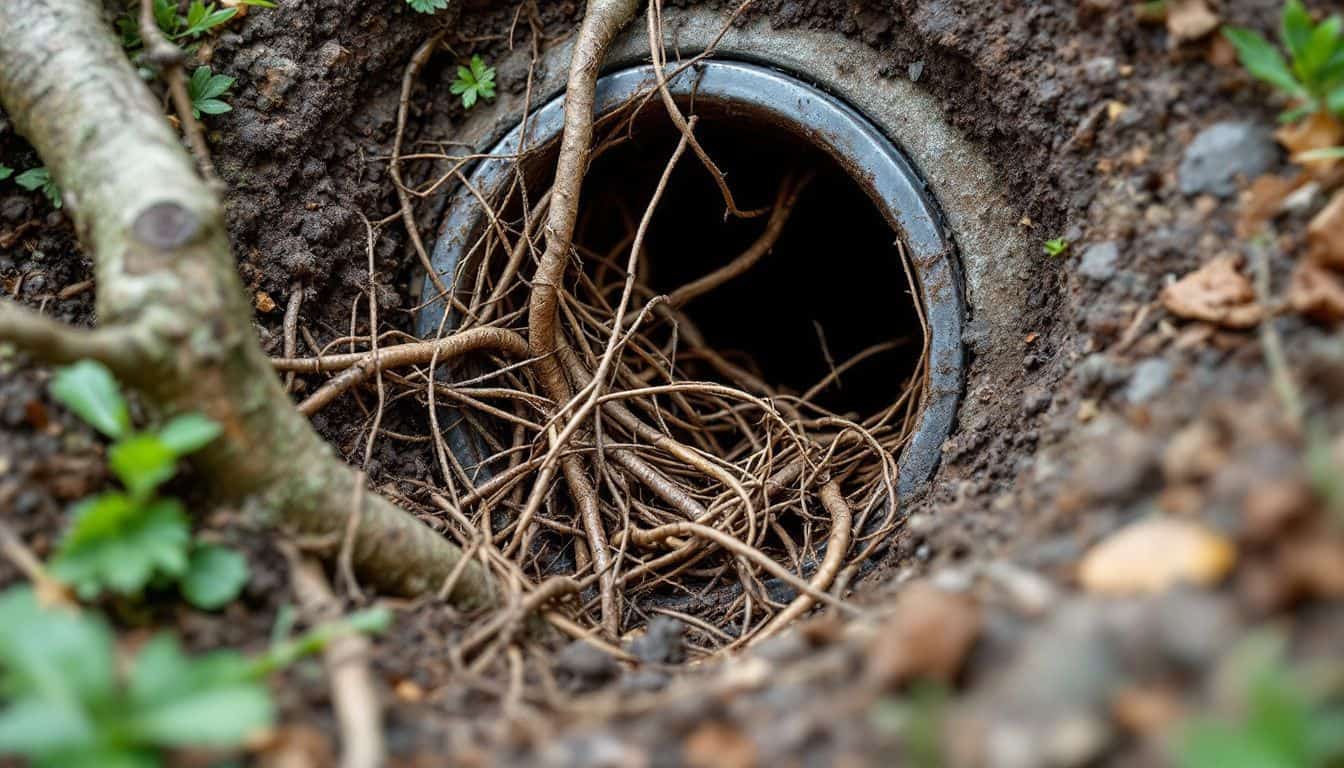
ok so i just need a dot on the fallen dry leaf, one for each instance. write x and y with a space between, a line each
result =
719 745
1215 293
1153 555
1269 507
1190 19
927 636
1260 202
1325 234
1320 131
1193 453
1147 711
1317 293
263 302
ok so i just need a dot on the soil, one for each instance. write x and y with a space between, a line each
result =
1118 410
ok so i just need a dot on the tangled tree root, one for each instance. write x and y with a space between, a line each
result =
691 487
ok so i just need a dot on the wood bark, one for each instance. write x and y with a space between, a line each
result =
174 321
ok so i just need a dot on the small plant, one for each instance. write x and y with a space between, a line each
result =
72 705
5 171
1313 77
1056 247
475 82
205 89
200 18
1283 723
39 179
427 6
126 540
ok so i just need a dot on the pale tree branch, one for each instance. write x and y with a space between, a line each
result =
166 276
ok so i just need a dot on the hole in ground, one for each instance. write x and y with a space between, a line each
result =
832 287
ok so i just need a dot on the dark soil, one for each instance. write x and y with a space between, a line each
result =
1048 458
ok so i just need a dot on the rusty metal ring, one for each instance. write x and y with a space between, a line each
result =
819 118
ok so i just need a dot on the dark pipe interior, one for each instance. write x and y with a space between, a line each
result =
834 275
833 284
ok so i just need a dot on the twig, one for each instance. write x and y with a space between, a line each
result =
346 655
158 50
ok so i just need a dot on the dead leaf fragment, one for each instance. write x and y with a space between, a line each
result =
1215 293
1325 234
1320 131
1190 19
1317 293
1154 555
927 636
719 745
263 302
1259 203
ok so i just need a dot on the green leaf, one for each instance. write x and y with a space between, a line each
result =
1295 27
214 577
5 171
88 389
216 86
1213 745
1321 46
37 727
188 433
1263 60
165 13
142 462
53 654
116 544
258 3
205 88
35 179
219 716
474 82
201 18
427 6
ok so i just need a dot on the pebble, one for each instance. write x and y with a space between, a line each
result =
1223 152
1100 261
583 666
1100 70
662 643
1149 379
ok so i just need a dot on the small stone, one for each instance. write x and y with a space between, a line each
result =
1149 379
1035 400
582 666
263 302
1099 373
1100 70
1153 555
1224 152
661 643
927 636
914 71
1100 261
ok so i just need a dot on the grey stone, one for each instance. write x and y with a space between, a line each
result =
1099 373
1224 152
662 642
1149 379
582 666
1100 70
1100 261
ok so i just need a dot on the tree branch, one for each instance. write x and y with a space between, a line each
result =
166 276
51 341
